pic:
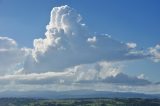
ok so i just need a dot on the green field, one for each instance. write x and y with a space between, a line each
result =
79 102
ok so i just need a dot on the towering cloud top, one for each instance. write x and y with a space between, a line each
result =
65 24
67 43
64 18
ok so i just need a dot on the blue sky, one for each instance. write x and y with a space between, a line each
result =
136 21
128 21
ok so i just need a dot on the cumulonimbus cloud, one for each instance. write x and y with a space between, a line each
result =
69 54
68 43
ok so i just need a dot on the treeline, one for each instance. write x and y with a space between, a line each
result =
79 102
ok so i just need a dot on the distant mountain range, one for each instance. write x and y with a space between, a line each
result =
76 94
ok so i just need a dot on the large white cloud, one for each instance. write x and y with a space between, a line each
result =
67 43
69 57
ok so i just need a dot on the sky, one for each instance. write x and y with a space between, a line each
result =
65 45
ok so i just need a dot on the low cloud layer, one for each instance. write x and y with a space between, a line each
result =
102 72
69 56
97 76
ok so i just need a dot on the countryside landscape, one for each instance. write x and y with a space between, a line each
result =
80 102
79 52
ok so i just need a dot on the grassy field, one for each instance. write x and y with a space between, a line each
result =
79 102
